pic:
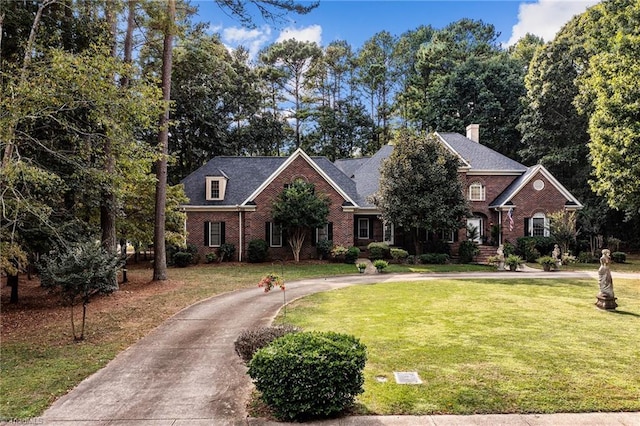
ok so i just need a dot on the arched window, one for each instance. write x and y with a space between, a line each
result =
476 192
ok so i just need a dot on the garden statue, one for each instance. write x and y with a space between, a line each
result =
500 255
606 298
556 255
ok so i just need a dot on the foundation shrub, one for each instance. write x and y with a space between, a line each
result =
434 258
467 251
352 255
399 255
619 257
309 375
257 251
378 251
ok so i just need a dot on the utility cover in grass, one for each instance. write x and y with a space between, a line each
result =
407 378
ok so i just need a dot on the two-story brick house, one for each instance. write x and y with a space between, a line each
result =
230 198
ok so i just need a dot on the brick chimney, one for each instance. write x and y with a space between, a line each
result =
473 132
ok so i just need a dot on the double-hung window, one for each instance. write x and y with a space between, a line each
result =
476 192
363 228
214 234
274 234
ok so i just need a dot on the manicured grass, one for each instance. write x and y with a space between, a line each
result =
488 346
40 362
450 267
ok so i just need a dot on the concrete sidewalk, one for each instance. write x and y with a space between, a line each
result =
186 372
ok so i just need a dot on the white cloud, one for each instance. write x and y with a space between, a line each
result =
546 17
311 33
252 39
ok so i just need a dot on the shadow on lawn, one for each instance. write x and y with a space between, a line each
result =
633 314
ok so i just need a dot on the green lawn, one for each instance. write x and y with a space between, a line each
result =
488 346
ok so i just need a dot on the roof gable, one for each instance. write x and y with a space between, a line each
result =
504 199
299 153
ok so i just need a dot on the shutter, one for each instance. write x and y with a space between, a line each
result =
330 231
207 234
527 232
267 233
222 241
314 236
371 229
456 238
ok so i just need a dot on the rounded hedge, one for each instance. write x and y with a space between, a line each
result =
258 251
309 374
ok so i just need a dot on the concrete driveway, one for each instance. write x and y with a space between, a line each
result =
186 371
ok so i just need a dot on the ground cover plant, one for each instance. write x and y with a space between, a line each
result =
488 346
39 361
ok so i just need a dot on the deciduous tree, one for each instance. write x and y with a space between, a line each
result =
420 187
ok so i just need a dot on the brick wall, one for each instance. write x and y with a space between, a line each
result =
298 169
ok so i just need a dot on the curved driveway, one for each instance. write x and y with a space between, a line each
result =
186 371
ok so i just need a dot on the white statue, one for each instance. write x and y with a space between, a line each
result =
500 255
604 275
556 255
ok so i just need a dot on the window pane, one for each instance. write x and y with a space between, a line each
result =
538 226
323 233
215 234
363 228
215 189
276 235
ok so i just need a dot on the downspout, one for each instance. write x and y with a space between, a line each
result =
239 235
500 226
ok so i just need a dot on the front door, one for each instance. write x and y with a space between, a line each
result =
475 222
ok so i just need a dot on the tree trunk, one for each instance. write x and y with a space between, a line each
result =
296 239
159 253
12 281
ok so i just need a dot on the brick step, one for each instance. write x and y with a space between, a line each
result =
485 253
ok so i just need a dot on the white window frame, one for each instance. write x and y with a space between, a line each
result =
477 192
221 183
363 220
215 238
533 228
448 236
275 233
322 233
388 233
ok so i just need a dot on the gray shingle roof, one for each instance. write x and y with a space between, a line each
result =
479 156
245 175
358 177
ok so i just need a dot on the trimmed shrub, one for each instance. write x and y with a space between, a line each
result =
352 255
324 248
309 375
182 259
339 252
411 259
434 258
619 257
378 251
211 257
226 251
252 340
531 248
398 254
437 246
257 251
585 257
467 251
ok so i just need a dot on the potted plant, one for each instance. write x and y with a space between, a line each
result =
547 263
361 267
513 261
380 264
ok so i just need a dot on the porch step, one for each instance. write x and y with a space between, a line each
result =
485 253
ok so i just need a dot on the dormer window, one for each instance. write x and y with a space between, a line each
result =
476 192
216 186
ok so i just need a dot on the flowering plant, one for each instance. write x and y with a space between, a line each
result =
270 281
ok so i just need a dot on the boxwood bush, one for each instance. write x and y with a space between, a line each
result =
398 254
434 258
257 251
309 375
619 257
378 251
352 255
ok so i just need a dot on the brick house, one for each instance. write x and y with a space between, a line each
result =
230 199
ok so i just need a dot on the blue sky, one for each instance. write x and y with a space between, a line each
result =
358 20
